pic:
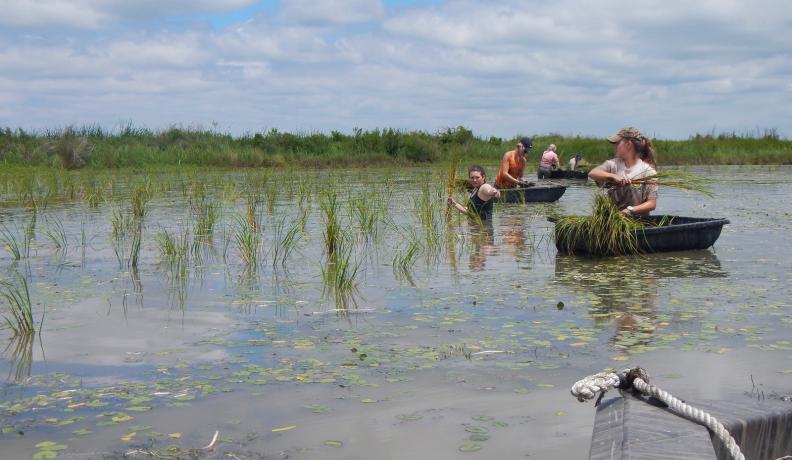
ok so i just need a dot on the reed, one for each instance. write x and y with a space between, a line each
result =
248 241
135 246
120 224
332 225
56 234
19 309
340 273
678 179
285 240
173 248
404 260
140 197
10 242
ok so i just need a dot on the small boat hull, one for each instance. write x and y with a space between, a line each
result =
536 194
628 427
680 234
565 174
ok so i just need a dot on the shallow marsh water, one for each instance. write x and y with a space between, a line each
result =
466 349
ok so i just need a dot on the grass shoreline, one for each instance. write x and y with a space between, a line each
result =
94 149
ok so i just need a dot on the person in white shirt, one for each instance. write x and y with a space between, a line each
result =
634 159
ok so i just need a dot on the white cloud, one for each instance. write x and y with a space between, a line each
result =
331 11
93 14
498 67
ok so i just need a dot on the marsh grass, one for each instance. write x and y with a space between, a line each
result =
120 223
248 241
135 246
10 242
140 196
19 309
56 233
340 273
285 239
173 249
331 210
605 232
404 259
679 179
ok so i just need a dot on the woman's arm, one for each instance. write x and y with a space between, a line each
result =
487 192
600 176
643 208
460 208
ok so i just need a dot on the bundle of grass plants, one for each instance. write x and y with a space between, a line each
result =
678 179
605 232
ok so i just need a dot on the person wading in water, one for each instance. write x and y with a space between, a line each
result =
480 201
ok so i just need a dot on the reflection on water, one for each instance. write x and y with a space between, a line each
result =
482 245
626 288
19 353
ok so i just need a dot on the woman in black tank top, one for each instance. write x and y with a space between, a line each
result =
480 202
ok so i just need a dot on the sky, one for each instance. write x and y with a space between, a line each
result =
672 68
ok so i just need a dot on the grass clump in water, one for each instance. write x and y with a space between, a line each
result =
605 232
19 308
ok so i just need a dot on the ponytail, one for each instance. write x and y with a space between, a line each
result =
645 150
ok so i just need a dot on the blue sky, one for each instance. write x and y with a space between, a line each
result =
502 67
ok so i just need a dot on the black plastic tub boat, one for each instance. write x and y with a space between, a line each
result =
566 174
533 194
671 233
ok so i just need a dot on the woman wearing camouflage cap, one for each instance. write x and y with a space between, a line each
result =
634 159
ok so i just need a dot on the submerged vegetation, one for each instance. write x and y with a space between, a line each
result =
97 148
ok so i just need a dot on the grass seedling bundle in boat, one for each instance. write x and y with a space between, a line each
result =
609 232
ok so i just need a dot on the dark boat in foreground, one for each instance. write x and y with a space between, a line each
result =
533 194
631 427
669 233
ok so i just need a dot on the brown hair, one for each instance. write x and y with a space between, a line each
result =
645 150
477 168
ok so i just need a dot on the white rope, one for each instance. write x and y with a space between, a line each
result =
592 385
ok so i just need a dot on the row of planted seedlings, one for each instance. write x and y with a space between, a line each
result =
237 222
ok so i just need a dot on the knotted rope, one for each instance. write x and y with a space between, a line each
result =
637 378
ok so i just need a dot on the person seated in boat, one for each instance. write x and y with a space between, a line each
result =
574 161
480 201
510 174
548 162
634 159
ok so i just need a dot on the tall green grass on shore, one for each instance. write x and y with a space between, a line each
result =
95 148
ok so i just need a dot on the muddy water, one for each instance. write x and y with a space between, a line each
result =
482 338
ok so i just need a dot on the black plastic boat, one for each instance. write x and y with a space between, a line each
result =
670 233
566 174
533 194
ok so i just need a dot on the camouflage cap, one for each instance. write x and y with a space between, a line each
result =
627 133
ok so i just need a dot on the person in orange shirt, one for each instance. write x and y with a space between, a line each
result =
511 171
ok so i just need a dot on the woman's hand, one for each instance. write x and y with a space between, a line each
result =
620 179
451 201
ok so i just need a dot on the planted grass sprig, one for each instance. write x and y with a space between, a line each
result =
248 241
56 233
19 308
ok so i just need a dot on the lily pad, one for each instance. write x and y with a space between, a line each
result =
470 447
477 429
